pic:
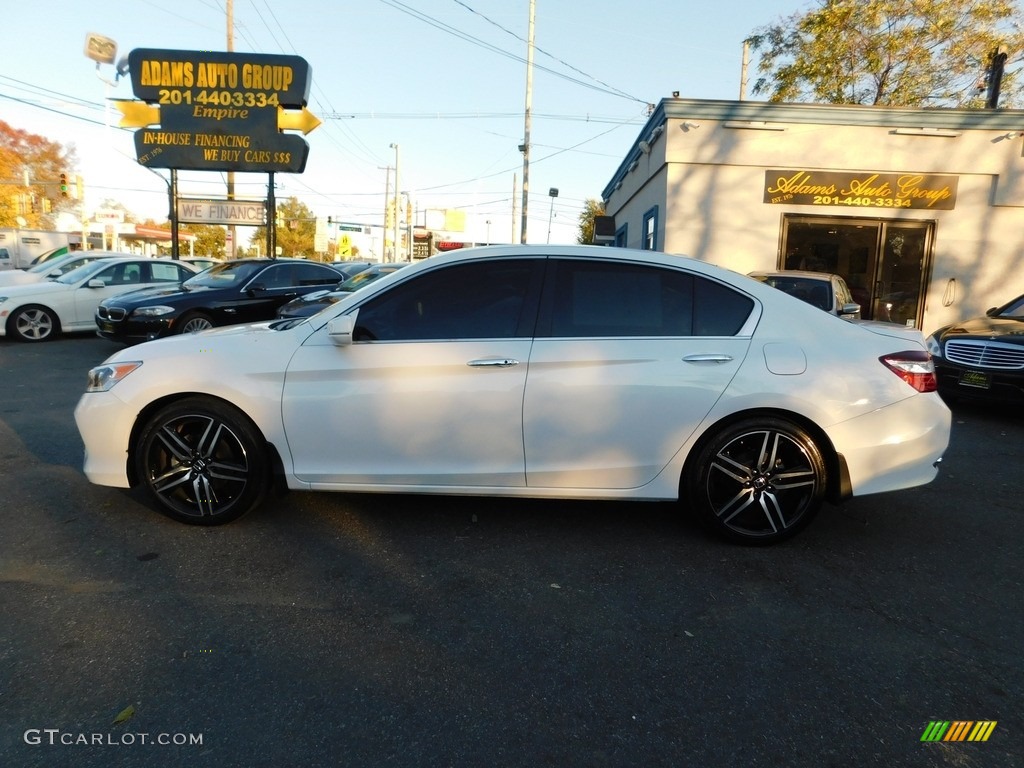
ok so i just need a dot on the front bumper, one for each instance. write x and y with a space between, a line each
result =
105 425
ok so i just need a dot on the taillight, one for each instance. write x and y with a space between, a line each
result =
915 367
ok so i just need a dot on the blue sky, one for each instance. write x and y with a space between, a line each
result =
444 79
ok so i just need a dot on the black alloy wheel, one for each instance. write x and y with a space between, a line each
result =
33 323
203 462
758 481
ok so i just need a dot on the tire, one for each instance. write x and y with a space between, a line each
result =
202 461
194 322
33 323
758 481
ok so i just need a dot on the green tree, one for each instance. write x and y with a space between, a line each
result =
296 228
900 53
42 160
591 208
210 239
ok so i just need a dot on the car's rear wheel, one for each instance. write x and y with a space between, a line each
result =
758 481
33 323
195 322
202 461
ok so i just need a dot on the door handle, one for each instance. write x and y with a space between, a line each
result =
708 358
493 362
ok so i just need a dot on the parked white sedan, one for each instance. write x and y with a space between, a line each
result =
543 371
41 311
51 269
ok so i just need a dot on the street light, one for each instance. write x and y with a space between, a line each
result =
395 248
553 192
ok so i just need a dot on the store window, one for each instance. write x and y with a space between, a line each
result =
650 241
886 263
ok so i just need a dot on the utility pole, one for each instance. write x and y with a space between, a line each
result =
395 251
515 192
232 229
526 127
995 76
743 69
387 205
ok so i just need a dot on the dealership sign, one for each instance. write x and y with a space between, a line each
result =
218 111
865 189
252 213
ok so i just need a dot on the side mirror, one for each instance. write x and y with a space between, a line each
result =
340 329
96 283
850 311
256 288
991 311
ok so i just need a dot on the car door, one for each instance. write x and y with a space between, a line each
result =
273 287
430 391
118 277
628 359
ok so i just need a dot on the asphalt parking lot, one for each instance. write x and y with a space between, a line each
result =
327 630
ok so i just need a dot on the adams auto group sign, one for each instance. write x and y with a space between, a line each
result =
860 189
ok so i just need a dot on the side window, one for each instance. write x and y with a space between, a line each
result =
111 275
165 273
598 299
490 299
592 298
276 276
313 274
718 310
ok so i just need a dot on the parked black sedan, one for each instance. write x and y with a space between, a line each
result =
311 303
982 358
242 291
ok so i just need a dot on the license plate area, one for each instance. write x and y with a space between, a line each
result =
977 379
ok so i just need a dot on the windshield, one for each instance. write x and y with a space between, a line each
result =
1014 308
223 275
356 282
82 272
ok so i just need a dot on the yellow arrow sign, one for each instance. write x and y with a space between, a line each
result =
137 114
303 120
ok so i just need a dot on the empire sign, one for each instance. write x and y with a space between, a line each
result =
218 111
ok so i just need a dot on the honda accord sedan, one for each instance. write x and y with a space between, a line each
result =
574 372
982 359
231 292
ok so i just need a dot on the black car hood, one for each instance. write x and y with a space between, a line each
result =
149 295
1002 328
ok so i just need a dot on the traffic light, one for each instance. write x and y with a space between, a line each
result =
63 185
330 219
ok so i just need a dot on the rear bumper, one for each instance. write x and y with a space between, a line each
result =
899 446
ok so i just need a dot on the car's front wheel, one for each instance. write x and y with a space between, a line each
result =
202 461
33 323
758 481
194 323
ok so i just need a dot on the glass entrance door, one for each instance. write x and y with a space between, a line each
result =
885 263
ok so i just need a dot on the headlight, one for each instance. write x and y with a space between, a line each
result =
156 311
103 377
933 346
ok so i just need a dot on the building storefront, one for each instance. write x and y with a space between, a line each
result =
921 211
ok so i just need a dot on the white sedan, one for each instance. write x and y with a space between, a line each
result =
535 371
40 311
51 269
